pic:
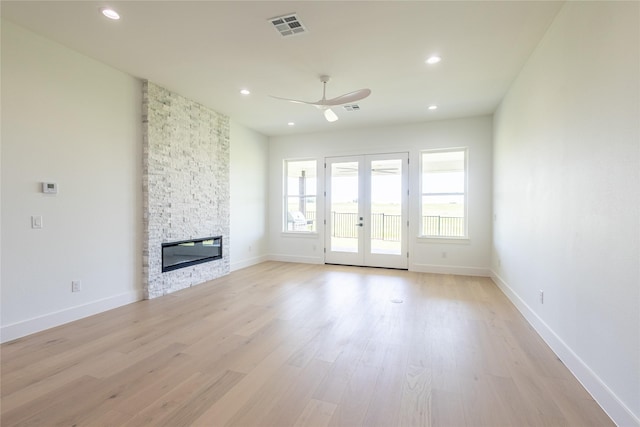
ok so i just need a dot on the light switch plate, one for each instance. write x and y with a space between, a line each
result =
36 221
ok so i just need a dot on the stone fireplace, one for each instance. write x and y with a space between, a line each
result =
185 186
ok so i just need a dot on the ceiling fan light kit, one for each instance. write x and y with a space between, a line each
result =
326 104
330 115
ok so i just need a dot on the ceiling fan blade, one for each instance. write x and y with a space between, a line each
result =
330 115
295 101
348 98
325 104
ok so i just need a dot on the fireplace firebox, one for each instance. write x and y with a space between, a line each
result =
185 253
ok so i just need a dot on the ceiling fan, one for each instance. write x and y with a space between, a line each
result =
325 104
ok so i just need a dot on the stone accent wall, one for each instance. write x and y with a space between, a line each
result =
185 185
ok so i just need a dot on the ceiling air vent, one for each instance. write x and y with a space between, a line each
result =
288 25
352 107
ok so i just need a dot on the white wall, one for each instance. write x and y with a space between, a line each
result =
468 257
71 120
249 171
566 198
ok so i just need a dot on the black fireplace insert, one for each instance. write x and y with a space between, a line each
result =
182 254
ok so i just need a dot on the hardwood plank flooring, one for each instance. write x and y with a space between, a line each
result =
282 344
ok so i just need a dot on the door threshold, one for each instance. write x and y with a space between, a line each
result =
367 266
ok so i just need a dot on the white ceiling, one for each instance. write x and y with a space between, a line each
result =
209 50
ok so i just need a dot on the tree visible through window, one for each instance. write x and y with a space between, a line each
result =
300 188
444 193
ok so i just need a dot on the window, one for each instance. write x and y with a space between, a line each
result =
444 193
300 188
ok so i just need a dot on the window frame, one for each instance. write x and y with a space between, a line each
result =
286 196
421 232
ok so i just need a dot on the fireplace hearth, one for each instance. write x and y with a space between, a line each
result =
186 253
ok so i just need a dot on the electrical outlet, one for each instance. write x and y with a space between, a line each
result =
541 296
76 286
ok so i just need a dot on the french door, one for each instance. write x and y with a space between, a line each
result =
366 210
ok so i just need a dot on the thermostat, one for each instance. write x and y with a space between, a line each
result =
49 187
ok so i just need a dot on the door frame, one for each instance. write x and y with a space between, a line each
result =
365 256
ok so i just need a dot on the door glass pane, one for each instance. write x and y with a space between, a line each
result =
386 206
344 207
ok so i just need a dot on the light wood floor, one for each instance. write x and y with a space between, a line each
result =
298 345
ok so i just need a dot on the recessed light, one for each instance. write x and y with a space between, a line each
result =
433 60
110 13
244 92
291 124
433 107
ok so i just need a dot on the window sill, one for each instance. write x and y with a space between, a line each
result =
303 234
445 240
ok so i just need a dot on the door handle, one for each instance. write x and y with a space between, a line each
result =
360 225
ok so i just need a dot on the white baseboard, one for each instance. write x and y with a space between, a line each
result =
47 321
450 269
298 259
239 265
420 268
601 393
